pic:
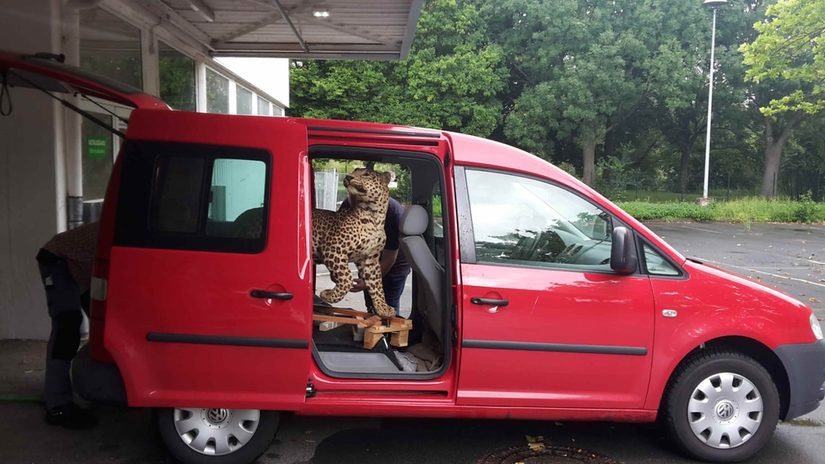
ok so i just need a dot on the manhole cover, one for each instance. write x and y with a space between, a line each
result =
548 455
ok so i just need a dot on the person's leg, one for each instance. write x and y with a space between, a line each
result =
63 344
64 303
394 283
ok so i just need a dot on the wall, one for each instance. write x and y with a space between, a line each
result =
29 184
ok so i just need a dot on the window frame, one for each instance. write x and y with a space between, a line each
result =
643 242
140 187
467 242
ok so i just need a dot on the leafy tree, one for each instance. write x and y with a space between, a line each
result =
787 63
791 47
450 80
587 67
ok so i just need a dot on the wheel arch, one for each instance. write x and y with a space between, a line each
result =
751 348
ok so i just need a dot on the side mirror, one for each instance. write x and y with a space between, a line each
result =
623 257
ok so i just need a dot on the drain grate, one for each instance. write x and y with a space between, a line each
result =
546 454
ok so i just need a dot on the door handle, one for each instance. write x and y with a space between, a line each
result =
488 301
270 295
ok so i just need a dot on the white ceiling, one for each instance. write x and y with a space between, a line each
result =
356 29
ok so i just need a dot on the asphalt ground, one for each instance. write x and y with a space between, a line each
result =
790 257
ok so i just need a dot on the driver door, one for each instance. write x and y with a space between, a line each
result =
546 322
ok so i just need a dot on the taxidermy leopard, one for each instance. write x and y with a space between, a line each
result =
355 234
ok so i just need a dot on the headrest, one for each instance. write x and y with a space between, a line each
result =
414 221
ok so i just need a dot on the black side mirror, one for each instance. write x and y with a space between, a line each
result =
623 257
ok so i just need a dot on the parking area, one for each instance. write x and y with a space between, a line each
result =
790 257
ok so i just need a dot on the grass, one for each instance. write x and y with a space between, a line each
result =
744 210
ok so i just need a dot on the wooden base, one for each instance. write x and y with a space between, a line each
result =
375 327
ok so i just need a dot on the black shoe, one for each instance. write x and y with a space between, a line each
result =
71 417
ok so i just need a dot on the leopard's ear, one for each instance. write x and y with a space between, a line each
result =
386 177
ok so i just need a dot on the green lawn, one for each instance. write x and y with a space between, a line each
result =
745 210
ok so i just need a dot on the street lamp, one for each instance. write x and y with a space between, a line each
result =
713 5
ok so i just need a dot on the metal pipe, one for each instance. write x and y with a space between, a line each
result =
292 26
710 107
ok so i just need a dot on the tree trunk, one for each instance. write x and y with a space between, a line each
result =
684 168
773 155
589 160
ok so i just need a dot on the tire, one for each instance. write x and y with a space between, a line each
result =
216 436
721 407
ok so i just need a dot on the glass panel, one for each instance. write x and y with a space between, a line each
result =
657 264
177 78
523 221
98 154
217 92
237 200
110 46
244 99
263 106
178 195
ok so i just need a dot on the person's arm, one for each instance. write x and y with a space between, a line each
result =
388 258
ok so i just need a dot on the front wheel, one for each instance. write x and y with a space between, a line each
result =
721 406
216 435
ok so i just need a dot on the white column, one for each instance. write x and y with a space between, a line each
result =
73 149
150 65
200 86
233 97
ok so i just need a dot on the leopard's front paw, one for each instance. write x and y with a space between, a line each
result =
384 310
330 297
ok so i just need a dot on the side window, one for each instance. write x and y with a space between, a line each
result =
179 195
657 264
236 198
193 197
526 222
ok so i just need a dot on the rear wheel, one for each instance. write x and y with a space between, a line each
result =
217 435
721 406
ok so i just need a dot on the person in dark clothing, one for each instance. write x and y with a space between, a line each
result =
394 265
65 264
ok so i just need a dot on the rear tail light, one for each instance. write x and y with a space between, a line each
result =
98 293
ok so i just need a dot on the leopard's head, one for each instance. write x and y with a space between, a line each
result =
368 189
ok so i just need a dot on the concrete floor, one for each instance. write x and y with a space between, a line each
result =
791 257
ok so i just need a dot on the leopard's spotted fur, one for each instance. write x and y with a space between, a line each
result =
355 234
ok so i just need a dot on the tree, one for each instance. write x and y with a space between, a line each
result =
791 47
787 63
451 80
586 67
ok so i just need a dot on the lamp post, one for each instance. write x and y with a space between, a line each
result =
713 5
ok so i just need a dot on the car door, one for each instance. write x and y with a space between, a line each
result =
209 296
545 321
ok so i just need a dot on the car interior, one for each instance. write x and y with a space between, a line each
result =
391 348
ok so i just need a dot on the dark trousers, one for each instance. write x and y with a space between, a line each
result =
65 303
393 284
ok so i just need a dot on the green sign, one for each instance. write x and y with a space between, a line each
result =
96 147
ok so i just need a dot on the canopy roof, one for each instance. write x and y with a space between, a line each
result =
323 29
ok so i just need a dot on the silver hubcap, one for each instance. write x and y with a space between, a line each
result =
216 431
725 410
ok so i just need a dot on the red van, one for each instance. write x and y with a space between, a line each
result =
532 296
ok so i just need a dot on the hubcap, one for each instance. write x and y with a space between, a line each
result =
725 410
216 431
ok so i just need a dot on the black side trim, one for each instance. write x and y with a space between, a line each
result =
466 235
226 340
555 347
432 135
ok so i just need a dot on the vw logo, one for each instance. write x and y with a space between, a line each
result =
724 410
217 415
